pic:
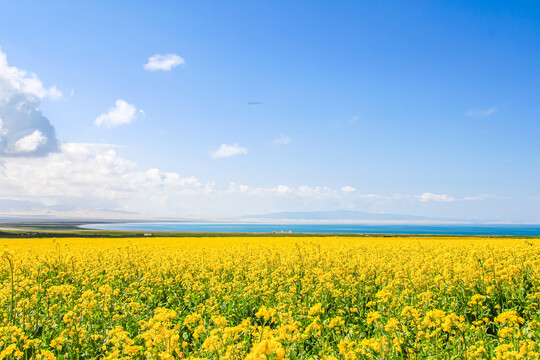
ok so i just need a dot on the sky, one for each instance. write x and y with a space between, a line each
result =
139 109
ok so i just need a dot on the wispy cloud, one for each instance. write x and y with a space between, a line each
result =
254 103
345 193
346 122
122 113
282 140
163 62
481 112
228 150
484 197
425 197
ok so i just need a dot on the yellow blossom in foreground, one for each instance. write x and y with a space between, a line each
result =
267 298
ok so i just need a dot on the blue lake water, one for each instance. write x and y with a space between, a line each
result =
476 229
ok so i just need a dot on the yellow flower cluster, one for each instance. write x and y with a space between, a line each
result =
320 298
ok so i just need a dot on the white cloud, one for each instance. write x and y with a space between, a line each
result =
81 171
122 113
483 197
481 112
87 179
435 197
283 190
228 150
233 187
30 142
282 140
54 93
163 62
316 191
3 131
16 82
24 131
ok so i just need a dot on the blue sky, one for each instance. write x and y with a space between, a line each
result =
424 108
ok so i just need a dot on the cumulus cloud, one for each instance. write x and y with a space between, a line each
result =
227 151
481 112
282 190
14 81
24 131
435 197
55 94
241 188
91 171
282 140
316 191
30 142
122 113
348 189
163 62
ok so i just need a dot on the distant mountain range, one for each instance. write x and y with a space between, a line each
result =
344 215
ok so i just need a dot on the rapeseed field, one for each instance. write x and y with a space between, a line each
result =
270 298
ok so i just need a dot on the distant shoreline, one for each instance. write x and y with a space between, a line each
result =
64 228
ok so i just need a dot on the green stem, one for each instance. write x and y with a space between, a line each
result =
12 310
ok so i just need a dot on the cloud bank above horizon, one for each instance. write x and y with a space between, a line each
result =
93 179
